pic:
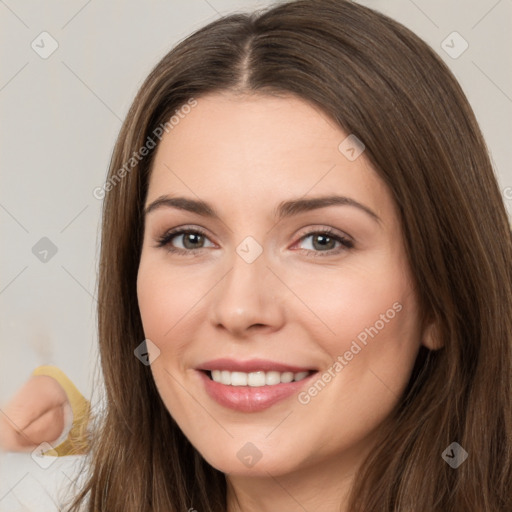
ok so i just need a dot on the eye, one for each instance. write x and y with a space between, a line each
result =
184 240
318 243
325 242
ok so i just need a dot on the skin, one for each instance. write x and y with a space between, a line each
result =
33 415
294 304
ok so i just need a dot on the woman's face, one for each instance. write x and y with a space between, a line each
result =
290 265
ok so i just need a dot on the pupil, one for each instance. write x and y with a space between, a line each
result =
189 240
324 241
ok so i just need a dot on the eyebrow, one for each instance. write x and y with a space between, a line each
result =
283 210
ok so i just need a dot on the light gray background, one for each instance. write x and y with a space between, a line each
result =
59 120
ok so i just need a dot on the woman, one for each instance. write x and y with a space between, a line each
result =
302 223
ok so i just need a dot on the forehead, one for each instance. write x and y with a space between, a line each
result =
260 148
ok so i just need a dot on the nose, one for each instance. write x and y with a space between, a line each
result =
248 299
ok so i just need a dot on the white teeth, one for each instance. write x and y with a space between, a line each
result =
256 379
272 378
225 376
286 377
300 376
238 379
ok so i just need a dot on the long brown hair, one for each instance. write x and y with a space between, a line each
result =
379 81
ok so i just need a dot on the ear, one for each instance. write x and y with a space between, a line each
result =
431 337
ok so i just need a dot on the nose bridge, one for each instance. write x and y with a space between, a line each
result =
247 295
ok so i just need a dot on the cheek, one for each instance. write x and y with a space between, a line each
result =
166 301
344 303
366 322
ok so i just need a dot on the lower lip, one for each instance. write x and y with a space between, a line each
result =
248 398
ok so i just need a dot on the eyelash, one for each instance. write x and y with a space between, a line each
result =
165 240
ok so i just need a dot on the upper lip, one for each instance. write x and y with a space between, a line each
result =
252 365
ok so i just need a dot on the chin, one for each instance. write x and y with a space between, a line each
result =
246 458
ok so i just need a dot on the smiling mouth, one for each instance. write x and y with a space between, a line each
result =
257 378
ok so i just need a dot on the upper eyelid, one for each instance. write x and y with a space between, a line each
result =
170 234
308 231
181 230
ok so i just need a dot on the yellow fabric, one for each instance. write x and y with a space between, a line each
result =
76 443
